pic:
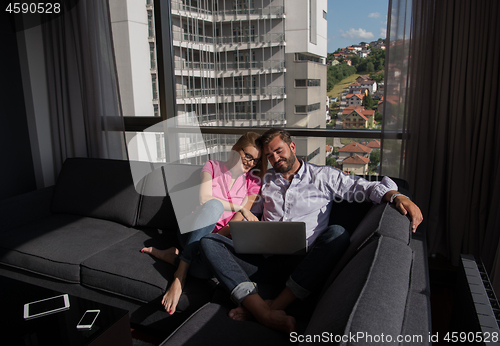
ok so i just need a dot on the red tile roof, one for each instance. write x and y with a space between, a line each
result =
364 77
356 159
360 110
373 144
368 113
359 96
355 147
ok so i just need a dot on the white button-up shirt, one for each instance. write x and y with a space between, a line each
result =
311 194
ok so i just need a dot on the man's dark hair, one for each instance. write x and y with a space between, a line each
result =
269 135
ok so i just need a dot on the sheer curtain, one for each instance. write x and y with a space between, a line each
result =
86 117
396 86
451 126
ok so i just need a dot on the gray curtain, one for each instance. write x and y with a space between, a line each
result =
86 117
452 151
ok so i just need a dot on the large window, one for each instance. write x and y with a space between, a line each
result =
229 72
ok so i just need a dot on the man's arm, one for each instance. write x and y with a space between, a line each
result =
350 188
405 206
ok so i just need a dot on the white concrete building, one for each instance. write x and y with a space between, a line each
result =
238 63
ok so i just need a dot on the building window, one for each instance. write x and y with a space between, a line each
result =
151 29
301 83
312 155
154 86
152 55
324 14
307 108
306 57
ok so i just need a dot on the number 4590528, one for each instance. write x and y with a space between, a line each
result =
41 7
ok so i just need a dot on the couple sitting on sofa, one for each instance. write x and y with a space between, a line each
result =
293 190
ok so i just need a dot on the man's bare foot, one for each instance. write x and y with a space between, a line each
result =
279 320
168 255
242 314
171 298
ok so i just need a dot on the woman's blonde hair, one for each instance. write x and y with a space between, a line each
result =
253 139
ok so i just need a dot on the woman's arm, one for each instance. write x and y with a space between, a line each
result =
239 216
206 194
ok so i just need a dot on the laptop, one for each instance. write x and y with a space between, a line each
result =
269 237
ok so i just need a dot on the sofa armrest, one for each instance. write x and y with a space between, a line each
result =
26 208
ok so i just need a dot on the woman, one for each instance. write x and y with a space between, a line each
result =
227 192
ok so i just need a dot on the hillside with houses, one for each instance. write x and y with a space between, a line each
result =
359 104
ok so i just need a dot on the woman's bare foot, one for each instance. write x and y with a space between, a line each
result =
171 298
168 255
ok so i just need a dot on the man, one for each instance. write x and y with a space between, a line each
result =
294 191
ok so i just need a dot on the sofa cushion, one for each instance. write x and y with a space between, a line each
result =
97 188
369 295
56 245
122 269
210 325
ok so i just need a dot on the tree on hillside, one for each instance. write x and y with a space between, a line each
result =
368 102
377 77
375 59
337 73
330 161
370 67
374 160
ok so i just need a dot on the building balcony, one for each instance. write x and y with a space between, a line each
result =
192 38
181 9
230 66
238 39
228 43
263 92
250 13
224 118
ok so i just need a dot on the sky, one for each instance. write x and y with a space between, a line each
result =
352 22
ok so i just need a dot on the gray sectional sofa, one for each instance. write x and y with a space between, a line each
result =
83 237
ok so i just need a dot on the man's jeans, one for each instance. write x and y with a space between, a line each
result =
200 223
238 272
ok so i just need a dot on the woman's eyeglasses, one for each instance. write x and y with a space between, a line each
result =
249 158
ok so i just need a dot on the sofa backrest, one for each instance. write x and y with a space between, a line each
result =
169 194
370 294
98 188
381 219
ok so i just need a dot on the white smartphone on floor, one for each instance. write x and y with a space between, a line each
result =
88 319
46 306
